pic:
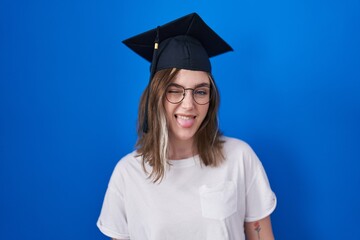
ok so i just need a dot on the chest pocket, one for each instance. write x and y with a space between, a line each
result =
219 201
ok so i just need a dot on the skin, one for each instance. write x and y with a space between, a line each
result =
181 137
259 230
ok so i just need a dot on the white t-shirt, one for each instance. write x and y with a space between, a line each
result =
192 201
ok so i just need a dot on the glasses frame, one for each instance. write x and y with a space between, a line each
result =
184 93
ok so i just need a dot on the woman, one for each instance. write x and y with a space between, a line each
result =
185 180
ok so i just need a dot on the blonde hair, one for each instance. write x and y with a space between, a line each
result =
153 145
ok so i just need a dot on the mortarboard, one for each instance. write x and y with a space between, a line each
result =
185 43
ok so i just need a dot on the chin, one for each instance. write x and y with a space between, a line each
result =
180 135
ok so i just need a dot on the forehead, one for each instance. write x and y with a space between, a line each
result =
189 78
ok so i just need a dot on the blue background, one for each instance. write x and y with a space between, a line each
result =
69 93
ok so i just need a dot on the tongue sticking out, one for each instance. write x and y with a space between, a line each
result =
185 122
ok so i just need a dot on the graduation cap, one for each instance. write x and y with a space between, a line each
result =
185 43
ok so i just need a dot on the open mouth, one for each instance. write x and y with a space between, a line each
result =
185 117
185 121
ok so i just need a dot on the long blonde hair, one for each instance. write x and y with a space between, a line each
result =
153 145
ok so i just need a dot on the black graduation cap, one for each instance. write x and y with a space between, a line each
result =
185 43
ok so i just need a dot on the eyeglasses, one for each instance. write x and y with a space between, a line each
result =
176 93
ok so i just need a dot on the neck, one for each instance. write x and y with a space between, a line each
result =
181 149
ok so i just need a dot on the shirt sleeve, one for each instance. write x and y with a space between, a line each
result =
112 220
260 199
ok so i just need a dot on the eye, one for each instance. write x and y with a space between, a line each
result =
174 90
201 91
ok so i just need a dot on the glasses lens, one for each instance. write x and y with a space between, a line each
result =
174 94
202 95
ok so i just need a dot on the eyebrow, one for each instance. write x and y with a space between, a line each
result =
196 86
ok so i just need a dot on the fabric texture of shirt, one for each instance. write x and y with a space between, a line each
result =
193 201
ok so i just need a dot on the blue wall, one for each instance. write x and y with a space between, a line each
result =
69 92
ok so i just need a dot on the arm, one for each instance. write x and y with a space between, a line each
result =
259 230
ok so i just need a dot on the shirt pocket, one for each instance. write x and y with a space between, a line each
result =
219 201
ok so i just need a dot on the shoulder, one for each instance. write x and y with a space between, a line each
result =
128 161
239 151
124 167
235 145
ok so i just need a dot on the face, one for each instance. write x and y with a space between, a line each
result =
185 118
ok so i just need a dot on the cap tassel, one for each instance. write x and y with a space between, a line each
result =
152 73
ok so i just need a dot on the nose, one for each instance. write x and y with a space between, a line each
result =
188 101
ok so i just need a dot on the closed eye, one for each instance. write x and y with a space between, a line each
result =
175 91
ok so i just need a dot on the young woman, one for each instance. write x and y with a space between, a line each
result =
185 180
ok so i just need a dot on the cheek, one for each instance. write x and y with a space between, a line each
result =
204 110
168 109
